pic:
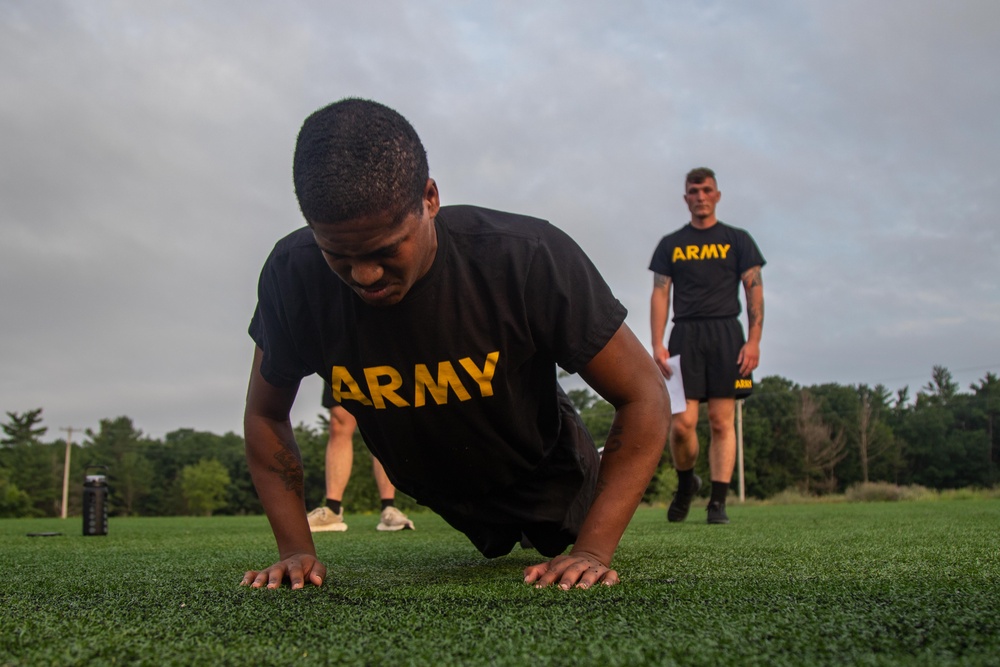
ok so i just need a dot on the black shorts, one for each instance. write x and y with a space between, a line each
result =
549 538
495 539
709 349
553 503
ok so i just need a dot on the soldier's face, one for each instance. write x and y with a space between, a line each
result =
379 256
702 198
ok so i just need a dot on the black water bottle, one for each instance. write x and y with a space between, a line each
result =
95 503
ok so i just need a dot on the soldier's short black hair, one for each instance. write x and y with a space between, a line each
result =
357 157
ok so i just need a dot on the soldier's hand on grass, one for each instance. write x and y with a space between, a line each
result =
578 569
297 568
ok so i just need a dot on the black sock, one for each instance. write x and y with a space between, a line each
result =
719 491
387 502
685 481
334 505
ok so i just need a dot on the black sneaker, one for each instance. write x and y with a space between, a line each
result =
717 513
681 504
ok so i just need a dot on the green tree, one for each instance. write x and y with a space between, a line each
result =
204 486
24 428
187 446
986 414
121 447
35 468
13 501
877 444
582 398
772 448
312 446
838 407
902 400
942 388
972 432
945 434
598 417
823 448
231 452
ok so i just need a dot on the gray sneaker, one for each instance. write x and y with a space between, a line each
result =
323 519
392 520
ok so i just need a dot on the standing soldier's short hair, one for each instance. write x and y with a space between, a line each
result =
700 175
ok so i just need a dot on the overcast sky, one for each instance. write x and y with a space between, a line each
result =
145 171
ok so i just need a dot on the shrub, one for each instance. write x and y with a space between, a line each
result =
13 501
967 493
795 496
870 492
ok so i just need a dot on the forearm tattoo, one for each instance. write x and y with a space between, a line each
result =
614 441
289 470
755 315
755 307
752 278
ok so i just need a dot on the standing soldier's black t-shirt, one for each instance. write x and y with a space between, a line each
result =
454 388
705 266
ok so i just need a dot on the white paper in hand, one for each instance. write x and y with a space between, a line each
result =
675 385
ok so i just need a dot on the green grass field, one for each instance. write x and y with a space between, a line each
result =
911 583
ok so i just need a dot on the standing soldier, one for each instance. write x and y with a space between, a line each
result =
704 261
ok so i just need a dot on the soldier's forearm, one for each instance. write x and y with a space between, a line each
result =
276 468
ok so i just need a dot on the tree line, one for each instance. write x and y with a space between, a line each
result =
818 440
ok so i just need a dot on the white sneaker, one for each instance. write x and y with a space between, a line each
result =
393 519
323 518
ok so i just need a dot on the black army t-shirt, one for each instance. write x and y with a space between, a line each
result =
705 266
454 388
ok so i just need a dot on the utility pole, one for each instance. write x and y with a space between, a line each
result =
69 448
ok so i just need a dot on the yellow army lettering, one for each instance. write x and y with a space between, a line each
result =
384 381
744 383
707 251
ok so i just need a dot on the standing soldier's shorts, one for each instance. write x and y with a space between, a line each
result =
709 349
